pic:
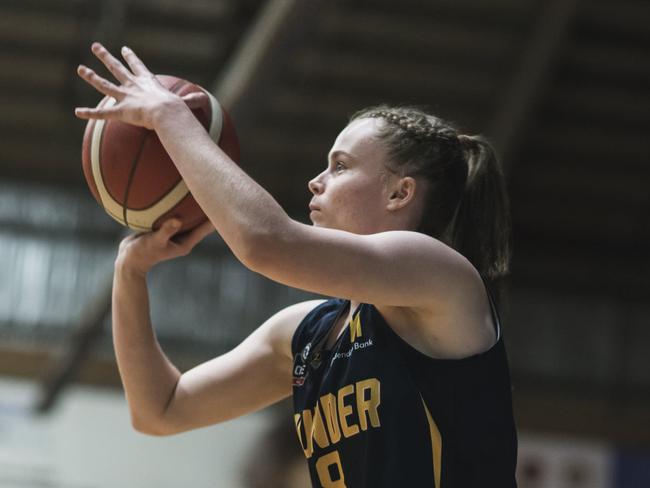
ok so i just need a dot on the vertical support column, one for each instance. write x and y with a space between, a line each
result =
527 85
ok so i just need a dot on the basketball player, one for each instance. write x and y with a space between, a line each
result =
400 381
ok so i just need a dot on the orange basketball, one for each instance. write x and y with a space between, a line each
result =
130 174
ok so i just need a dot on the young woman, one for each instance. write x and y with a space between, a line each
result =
403 381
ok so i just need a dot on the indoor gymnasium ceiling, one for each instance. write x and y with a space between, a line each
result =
561 86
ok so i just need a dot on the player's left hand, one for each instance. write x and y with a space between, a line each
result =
140 99
141 251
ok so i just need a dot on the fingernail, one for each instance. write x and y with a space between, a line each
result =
125 49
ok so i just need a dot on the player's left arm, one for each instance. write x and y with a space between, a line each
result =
397 268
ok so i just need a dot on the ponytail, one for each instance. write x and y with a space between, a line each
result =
480 229
467 205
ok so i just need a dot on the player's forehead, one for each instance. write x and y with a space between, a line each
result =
359 139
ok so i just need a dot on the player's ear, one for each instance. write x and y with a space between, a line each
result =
401 192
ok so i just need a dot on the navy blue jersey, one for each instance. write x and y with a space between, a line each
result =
374 412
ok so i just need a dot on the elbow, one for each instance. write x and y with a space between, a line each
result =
148 431
253 258
247 255
263 250
151 428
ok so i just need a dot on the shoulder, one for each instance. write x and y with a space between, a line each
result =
281 326
437 274
456 325
394 267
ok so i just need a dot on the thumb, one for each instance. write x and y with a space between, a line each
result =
196 99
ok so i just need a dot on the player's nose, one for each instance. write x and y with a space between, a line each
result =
316 185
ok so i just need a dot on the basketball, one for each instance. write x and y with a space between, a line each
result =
132 177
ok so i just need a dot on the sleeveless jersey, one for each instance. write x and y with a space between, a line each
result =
374 412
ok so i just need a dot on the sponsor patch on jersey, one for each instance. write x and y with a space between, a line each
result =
299 374
355 347
300 366
305 352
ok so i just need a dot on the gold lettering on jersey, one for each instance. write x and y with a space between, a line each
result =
328 404
368 406
345 411
355 328
314 429
338 414
323 465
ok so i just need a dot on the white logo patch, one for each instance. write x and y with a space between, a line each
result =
355 347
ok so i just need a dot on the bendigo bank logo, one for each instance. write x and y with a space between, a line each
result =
303 361
355 333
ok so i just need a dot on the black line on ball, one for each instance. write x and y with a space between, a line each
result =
134 166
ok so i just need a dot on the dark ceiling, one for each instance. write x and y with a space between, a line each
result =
561 87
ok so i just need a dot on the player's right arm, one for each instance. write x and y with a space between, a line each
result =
161 400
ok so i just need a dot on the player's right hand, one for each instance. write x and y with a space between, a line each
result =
140 252
140 97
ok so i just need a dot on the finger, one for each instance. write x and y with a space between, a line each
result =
139 234
111 62
167 231
100 84
187 241
98 113
198 234
196 99
134 62
131 237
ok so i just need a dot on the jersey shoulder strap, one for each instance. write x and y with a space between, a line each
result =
314 325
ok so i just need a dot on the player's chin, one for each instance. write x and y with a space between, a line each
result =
316 218
319 220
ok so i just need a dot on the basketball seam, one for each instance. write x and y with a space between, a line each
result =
189 223
129 182
95 153
126 208
87 165
183 188
101 167
163 195
178 188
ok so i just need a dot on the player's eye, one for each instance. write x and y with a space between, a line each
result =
339 166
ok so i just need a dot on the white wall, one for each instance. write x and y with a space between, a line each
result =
87 441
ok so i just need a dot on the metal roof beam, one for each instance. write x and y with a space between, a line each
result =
528 83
